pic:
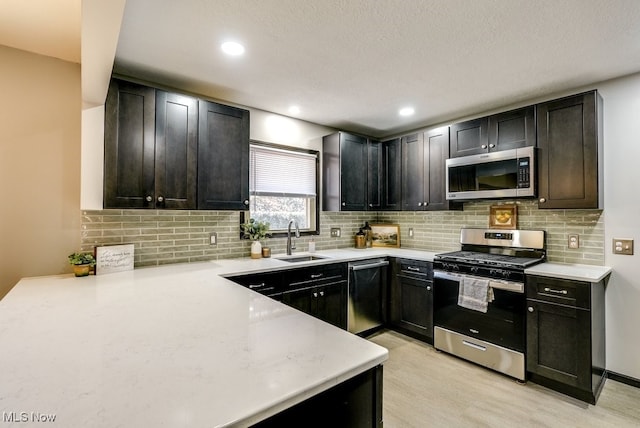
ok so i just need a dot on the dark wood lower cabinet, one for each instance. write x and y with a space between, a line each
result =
411 306
355 403
566 336
327 302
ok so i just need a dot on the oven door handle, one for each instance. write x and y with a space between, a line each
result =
517 287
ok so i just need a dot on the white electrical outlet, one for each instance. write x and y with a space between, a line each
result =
213 238
411 232
574 241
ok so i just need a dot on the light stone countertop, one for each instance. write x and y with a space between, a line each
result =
575 272
168 346
179 345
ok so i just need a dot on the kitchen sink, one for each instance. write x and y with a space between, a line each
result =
294 259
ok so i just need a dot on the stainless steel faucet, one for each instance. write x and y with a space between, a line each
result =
289 245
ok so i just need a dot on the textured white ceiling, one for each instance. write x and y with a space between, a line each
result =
351 64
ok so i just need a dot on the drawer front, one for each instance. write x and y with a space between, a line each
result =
265 283
559 291
315 275
415 268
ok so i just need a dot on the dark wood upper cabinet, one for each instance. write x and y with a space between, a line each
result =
129 149
502 131
436 150
176 160
168 150
375 175
512 129
223 157
344 167
391 175
413 172
150 148
424 157
570 149
469 138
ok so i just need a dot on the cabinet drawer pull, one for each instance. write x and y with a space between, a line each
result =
414 269
551 290
316 276
543 200
262 284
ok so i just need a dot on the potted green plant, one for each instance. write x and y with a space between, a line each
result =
82 263
256 231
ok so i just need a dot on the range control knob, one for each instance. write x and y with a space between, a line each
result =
474 269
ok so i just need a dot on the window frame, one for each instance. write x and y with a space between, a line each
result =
245 215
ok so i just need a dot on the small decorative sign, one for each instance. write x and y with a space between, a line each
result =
114 258
385 235
503 217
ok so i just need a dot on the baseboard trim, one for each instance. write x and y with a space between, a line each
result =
628 380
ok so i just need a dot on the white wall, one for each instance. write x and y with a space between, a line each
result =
621 99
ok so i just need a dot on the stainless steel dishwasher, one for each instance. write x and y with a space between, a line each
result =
367 295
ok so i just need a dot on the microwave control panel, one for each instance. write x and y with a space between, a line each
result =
524 173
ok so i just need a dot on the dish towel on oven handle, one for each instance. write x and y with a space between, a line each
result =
475 294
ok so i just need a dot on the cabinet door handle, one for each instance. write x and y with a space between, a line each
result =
484 146
160 199
257 285
419 204
428 288
530 309
316 276
542 200
315 294
321 293
246 202
492 146
344 204
149 198
551 290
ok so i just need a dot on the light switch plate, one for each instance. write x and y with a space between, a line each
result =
213 238
411 232
623 246
573 241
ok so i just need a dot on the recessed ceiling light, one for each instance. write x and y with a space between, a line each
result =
406 111
232 48
294 110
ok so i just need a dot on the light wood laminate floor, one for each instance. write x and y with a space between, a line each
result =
427 388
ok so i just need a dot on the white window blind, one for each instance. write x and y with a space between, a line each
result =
277 172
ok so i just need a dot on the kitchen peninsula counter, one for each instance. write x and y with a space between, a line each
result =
176 345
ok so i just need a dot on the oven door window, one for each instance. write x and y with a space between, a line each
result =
497 175
502 324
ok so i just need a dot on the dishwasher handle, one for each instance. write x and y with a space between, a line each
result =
369 265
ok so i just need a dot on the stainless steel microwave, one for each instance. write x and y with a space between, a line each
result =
502 174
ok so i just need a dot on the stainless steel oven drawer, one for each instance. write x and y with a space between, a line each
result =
480 352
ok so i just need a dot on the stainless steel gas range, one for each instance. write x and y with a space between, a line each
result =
479 297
